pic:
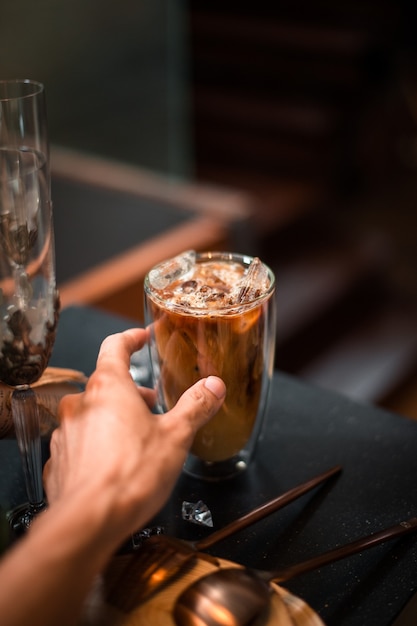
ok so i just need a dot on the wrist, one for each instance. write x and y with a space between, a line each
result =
82 524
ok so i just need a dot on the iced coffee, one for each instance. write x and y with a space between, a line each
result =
209 314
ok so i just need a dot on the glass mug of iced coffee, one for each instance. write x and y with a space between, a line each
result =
214 313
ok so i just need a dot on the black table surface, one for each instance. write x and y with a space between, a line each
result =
307 430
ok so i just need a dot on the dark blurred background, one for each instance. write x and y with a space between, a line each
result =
308 105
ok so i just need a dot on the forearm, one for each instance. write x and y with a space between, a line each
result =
46 577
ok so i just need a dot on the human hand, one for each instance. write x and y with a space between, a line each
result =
111 454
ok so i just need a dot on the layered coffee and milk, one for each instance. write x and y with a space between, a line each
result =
209 316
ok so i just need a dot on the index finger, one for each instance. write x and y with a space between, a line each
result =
116 349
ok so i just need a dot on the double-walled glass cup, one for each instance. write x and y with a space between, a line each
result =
214 314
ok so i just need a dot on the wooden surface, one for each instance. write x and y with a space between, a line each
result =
117 284
215 218
285 609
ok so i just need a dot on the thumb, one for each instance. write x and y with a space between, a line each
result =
200 402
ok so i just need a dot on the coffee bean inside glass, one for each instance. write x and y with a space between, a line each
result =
214 313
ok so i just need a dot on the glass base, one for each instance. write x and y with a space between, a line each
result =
216 470
22 517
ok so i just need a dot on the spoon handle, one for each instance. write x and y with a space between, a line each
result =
348 549
266 509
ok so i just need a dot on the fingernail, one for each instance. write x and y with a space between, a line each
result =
216 386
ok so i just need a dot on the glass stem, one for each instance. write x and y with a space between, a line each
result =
26 422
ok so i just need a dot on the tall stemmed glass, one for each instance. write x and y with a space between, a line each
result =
29 303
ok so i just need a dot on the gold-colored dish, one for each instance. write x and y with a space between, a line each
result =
286 609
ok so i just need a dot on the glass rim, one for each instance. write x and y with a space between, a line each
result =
229 310
37 88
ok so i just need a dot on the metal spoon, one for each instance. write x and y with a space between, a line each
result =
239 596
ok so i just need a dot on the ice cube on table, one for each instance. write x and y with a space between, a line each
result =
254 283
171 270
197 513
